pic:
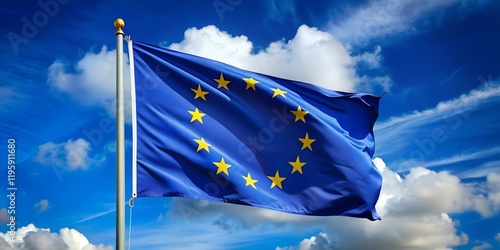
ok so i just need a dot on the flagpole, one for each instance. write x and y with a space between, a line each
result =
120 138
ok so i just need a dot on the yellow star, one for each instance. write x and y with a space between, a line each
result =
278 91
299 114
250 83
306 142
277 179
199 93
202 144
297 165
196 115
222 166
222 82
250 181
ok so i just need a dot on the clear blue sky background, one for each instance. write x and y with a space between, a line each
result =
437 136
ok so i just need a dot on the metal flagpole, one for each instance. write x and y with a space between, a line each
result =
120 139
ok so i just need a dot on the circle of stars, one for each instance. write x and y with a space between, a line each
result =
222 166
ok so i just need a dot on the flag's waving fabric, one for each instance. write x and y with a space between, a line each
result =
208 130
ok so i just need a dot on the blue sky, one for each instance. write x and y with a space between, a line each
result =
437 136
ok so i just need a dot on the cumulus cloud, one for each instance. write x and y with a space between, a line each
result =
497 237
318 242
290 59
311 56
71 154
42 206
32 238
422 191
416 212
92 81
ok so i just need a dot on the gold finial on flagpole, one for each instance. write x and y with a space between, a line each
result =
119 24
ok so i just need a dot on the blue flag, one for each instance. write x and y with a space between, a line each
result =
208 130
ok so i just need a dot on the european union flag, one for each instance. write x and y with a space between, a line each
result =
208 130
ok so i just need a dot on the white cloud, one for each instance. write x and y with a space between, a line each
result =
379 19
461 157
292 59
42 206
92 81
481 170
370 60
415 211
30 237
483 246
465 103
318 242
71 154
374 85
421 192
497 237
425 130
311 56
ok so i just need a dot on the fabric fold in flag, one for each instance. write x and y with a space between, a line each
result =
208 130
